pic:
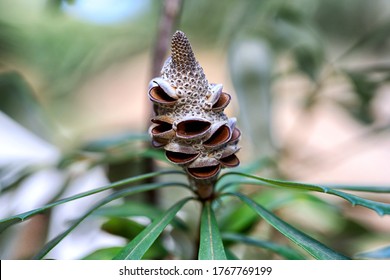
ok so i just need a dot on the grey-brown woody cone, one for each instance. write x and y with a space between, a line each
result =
190 123
182 54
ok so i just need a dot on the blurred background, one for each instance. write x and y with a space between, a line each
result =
309 81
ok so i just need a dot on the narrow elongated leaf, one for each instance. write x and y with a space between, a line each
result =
126 192
7 222
142 242
104 144
253 167
130 229
379 207
312 246
12 177
284 251
103 254
230 255
381 253
362 188
19 102
133 209
231 184
129 209
122 227
211 246
240 218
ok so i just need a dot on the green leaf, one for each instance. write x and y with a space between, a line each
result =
309 57
129 229
7 222
153 153
230 255
129 209
241 218
103 254
251 63
284 251
211 246
101 145
312 246
382 253
365 89
238 218
122 147
122 193
11 176
134 208
8 40
379 207
125 228
361 188
20 103
233 181
139 245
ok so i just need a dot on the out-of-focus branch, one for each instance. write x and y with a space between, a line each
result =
171 10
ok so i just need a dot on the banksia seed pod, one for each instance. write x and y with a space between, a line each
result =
189 121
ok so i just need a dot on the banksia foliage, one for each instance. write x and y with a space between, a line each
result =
189 121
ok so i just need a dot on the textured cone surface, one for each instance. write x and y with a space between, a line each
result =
182 54
198 136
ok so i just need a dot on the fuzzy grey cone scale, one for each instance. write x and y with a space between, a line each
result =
189 121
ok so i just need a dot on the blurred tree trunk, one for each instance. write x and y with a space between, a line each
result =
170 13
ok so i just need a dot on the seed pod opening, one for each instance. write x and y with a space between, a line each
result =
192 128
222 102
180 158
204 172
158 95
165 85
161 130
235 135
230 161
220 137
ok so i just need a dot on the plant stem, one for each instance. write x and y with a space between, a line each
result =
204 188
